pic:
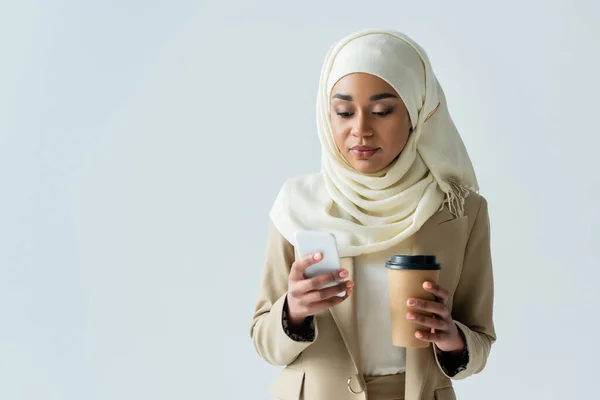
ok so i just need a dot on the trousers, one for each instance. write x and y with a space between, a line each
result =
385 387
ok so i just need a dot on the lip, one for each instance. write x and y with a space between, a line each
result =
364 152
363 148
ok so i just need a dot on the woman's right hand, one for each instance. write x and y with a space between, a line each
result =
304 296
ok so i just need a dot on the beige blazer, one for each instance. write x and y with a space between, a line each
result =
323 369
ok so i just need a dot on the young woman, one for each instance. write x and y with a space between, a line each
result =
395 179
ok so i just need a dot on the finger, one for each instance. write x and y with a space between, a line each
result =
319 281
437 291
300 265
432 307
326 304
316 283
431 337
435 323
317 296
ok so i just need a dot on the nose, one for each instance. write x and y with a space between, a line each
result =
362 126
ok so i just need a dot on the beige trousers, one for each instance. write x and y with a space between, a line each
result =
386 387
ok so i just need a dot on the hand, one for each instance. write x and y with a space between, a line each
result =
304 297
445 335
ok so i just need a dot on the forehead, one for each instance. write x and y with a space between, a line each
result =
361 84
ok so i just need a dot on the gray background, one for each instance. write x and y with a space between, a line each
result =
143 142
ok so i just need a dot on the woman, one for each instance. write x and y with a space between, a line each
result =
395 179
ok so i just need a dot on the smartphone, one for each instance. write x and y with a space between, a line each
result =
310 242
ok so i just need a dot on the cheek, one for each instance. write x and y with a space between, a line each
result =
339 134
396 135
402 138
340 139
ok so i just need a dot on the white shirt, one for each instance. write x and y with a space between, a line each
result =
378 354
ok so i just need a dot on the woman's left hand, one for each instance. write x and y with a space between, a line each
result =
446 335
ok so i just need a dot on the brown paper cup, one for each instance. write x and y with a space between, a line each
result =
406 275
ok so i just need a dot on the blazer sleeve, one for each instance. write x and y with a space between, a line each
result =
473 300
268 331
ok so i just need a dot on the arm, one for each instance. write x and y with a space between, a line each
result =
472 308
304 332
269 327
452 363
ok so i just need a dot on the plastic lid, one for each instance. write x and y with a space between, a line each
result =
427 263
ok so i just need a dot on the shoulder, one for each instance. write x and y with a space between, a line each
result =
474 218
304 182
297 199
278 244
476 206
308 188
474 203
476 211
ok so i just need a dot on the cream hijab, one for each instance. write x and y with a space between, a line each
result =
370 213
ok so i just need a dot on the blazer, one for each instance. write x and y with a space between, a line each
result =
327 367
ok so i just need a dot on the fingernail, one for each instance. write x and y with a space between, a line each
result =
411 302
317 256
350 284
410 316
343 273
419 334
427 285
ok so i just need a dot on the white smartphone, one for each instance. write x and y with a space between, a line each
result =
309 242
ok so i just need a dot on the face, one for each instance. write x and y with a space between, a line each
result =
369 120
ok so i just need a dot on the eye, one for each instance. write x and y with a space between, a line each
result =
384 113
345 114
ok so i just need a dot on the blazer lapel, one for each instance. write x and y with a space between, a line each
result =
417 369
344 315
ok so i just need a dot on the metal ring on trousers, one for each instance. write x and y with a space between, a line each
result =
350 387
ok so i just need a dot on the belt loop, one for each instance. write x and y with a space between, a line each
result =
361 383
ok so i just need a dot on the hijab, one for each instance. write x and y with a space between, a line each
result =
372 212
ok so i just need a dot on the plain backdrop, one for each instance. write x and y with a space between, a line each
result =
142 144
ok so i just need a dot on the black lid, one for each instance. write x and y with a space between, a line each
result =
413 262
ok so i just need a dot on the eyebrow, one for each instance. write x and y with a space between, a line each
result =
375 97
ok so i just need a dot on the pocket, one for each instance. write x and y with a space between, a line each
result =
288 384
446 393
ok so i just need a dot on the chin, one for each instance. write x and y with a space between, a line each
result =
366 167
